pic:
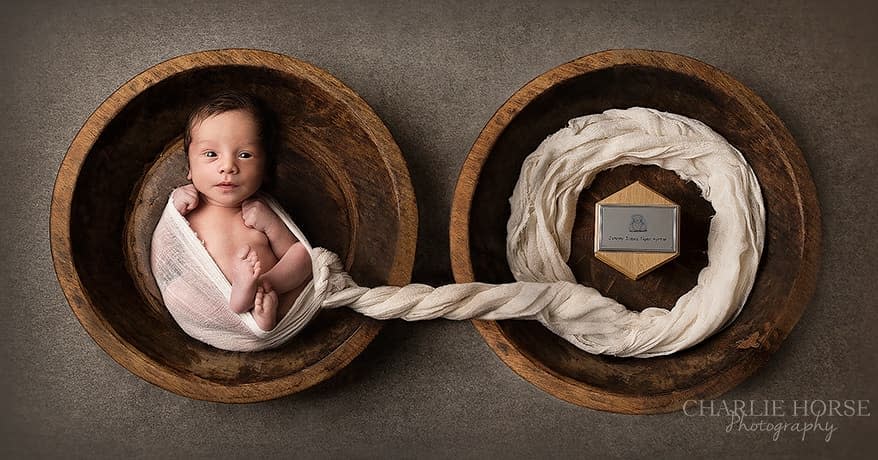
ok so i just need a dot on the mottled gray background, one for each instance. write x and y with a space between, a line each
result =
434 72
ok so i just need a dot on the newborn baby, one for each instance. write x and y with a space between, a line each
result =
226 142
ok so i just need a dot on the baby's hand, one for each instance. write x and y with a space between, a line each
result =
185 198
257 215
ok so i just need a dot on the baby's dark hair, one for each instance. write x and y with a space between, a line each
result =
228 101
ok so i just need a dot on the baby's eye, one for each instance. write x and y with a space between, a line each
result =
210 154
245 155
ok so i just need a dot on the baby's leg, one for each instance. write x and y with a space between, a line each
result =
245 273
265 307
291 271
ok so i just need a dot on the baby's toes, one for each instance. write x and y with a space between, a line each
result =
259 299
270 299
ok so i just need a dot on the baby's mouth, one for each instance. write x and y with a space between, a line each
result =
226 185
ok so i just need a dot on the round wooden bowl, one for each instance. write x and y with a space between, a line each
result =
672 83
339 174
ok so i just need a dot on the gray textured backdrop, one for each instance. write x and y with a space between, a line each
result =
434 72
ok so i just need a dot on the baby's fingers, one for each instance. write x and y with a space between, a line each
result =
247 205
188 192
247 215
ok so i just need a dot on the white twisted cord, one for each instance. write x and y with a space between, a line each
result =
538 242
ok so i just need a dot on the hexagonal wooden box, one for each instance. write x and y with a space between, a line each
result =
636 230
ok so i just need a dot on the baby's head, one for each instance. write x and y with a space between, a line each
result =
226 102
230 139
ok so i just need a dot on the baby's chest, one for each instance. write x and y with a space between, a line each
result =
224 243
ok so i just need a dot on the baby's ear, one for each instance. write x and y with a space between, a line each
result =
188 174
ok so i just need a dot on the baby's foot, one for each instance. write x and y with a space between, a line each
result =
265 307
246 268
245 274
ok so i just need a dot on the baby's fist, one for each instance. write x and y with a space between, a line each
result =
257 215
185 198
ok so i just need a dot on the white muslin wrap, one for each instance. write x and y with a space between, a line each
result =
538 246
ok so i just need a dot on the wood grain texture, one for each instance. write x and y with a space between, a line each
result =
339 174
637 193
620 79
634 264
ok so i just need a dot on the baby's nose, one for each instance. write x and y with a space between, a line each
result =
228 167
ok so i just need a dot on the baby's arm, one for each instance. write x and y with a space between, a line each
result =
185 198
293 267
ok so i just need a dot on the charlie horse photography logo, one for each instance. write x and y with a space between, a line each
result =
778 417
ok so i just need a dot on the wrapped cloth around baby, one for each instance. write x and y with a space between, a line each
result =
538 244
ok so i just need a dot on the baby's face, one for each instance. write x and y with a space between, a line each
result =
226 160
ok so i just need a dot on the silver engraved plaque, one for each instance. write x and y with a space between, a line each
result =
637 228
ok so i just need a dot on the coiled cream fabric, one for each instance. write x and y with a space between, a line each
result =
538 245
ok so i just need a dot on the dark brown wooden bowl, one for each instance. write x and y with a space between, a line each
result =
339 174
622 79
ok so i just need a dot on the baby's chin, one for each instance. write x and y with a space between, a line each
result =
230 199
231 204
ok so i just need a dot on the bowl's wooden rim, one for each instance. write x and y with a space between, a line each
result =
576 391
122 350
